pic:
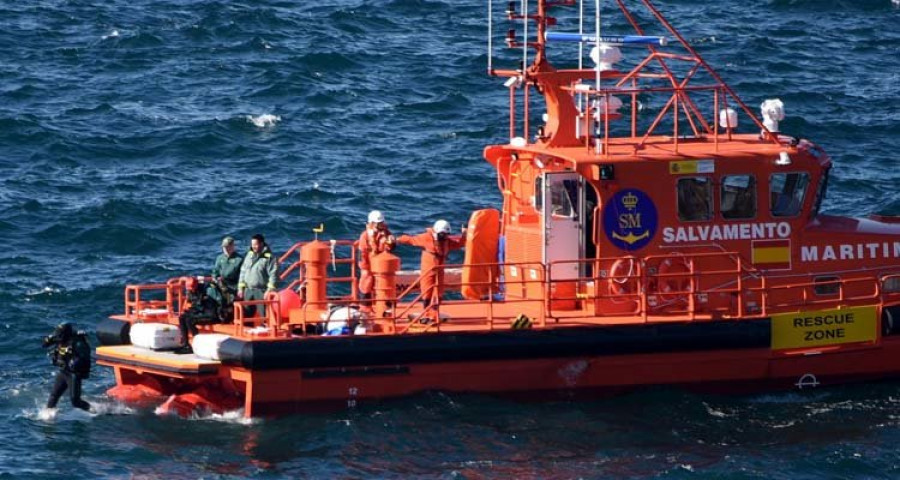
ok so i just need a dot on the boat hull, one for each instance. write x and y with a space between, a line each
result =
276 377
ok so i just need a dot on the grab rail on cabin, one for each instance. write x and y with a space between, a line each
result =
809 290
650 287
717 284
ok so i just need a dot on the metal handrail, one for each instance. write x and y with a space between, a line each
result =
745 283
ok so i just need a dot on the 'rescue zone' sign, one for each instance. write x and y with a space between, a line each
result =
824 327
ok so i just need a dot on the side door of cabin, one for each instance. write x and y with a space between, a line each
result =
561 213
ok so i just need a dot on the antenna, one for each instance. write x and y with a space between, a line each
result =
318 230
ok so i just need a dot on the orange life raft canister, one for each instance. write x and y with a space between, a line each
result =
482 236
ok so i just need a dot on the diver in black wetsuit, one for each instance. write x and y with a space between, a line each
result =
203 310
71 352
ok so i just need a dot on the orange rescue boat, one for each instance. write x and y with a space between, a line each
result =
631 249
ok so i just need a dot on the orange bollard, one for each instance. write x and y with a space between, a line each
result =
384 268
315 257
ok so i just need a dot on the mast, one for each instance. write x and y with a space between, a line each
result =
582 103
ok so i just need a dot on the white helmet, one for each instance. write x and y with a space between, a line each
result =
375 216
441 226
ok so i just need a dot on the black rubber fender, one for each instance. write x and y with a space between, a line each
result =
363 350
114 332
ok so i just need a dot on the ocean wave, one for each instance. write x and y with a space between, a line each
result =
833 5
138 40
264 120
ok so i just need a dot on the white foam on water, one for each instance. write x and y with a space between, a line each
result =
713 412
787 424
43 414
112 34
43 291
50 415
232 416
112 408
235 417
264 121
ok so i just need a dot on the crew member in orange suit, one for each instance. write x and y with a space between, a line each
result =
376 239
435 243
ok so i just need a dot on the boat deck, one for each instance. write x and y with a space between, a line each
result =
157 361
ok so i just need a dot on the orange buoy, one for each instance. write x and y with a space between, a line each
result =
288 300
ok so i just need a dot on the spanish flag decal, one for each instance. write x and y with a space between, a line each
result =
771 254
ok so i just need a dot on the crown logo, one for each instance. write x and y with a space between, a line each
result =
630 201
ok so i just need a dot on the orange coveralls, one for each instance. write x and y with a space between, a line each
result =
372 242
434 253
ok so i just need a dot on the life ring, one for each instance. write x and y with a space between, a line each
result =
623 277
674 279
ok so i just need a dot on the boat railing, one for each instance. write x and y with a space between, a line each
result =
673 287
649 287
679 287
687 100
702 285
405 312
156 301
143 302
338 257
267 323
784 293
483 311
666 64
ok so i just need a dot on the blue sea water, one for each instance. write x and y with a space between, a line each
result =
133 135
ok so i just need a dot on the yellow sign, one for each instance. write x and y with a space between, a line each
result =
685 167
825 327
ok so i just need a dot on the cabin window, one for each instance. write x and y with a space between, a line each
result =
694 199
787 191
539 194
821 191
738 198
830 285
564 198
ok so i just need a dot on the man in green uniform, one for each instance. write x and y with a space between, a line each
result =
213 304
226 273
259 274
